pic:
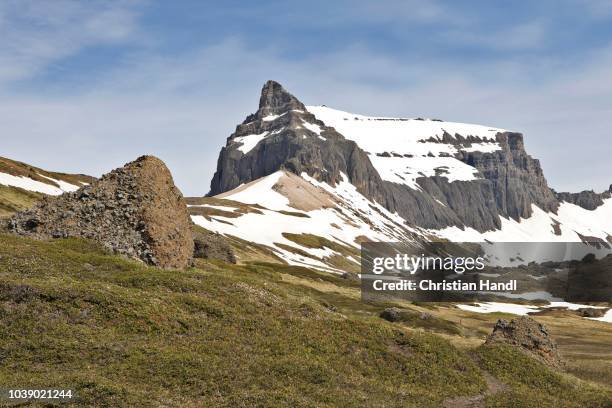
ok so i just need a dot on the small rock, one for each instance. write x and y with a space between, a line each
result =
392 314
350 276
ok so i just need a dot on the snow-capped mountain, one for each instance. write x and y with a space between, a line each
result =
386 179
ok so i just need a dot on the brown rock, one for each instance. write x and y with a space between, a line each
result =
591 312
530 336
392 314
135 211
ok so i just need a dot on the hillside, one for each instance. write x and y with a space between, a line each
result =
21 185
303 222
124 334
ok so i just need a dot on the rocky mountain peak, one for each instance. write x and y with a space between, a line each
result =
284 135
275 100
135 210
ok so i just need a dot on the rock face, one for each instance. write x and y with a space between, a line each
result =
135 211
530 336
283 135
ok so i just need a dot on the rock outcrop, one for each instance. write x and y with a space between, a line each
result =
136 211
587 199
530 336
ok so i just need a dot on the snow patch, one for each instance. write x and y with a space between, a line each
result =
313 127
403 170
572 220
270 118
250 141
65 187
521 310
482 147
37 186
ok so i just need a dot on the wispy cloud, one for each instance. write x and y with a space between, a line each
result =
37 33
393 12
523 36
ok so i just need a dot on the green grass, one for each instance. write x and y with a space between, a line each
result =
428 321
123 334
315 241
531 383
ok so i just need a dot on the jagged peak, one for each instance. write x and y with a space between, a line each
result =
275 100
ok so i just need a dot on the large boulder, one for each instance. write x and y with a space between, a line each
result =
530 336
135 210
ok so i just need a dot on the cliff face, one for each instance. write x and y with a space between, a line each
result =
517 178
283 134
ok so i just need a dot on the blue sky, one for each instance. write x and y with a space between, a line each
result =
86 86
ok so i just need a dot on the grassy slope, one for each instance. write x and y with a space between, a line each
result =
22 169
13 199
123 334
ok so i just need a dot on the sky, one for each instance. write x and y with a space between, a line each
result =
86 86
